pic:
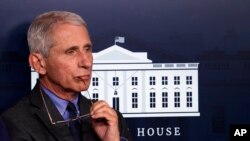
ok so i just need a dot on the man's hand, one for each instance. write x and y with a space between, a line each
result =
105 121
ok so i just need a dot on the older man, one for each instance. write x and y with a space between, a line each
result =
61 53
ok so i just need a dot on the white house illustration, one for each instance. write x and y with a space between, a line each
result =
135 86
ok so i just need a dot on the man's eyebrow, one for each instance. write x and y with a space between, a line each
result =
72 48
75 47
88 45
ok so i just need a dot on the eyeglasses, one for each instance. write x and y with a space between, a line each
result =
68 120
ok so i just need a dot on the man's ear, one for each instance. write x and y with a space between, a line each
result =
37 62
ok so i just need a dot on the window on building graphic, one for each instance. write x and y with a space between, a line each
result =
151 80
189 80
95 81
189 99
164 99
177 80
116 103
95 96
152 99
176 99
164 80
134 100
115 81
134 81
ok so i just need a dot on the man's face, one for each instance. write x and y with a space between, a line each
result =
69 65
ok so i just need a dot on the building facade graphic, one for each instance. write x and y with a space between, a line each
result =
137 87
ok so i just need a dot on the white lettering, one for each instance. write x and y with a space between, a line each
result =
152 131
168 131
243 131
140 132
239 132
177 131
159 131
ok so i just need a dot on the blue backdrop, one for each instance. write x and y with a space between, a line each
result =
214 33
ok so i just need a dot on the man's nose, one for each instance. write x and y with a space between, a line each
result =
86 60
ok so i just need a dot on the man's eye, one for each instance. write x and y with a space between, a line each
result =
88 48
70 51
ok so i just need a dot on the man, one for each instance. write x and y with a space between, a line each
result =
61 53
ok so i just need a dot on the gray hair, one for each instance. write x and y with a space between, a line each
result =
40 33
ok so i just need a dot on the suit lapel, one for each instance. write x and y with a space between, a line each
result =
60 132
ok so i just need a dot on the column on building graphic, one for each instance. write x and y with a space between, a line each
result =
135 86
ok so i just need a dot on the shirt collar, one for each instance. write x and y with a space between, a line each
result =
60 104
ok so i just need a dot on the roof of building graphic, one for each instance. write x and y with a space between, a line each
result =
118 54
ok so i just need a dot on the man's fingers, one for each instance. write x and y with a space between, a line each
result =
101 110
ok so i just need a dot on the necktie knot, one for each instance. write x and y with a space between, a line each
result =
72 110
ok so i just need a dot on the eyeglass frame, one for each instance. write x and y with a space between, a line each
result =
67 120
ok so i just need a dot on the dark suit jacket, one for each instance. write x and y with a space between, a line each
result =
29 121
